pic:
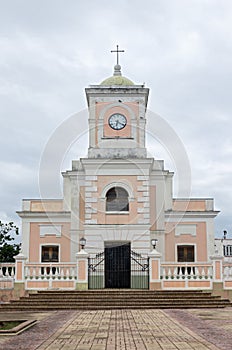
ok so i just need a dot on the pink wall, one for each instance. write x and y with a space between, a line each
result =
191 205
106 218
108 131
200 240
36 241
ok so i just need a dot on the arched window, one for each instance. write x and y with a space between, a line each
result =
117 199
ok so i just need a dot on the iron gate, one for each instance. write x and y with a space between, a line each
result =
115 268
139 271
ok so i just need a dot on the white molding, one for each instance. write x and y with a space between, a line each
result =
186 229
91 189
122 184
47 230
91 200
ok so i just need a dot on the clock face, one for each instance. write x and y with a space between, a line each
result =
117 121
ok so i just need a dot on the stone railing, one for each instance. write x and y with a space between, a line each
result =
7 270
227 271
186 275
7 275
170 271
55 275
59 271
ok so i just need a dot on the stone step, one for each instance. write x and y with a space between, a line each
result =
119 302
115 299
123 291
112 307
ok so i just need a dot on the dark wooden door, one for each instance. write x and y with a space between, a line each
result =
117 266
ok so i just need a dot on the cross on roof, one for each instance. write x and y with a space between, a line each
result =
117 51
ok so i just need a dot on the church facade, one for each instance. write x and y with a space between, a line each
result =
119 200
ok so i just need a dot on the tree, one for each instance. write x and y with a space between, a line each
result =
8 250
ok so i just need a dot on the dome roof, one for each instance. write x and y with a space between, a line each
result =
117 78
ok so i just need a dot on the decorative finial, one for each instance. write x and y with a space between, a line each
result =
117 70
117 51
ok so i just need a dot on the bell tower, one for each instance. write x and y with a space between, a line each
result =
117 109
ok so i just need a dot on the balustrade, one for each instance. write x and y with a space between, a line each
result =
45 271
227 271
177 271
7 270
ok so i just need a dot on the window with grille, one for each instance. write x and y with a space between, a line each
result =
227 250
117 199
50 254
185 253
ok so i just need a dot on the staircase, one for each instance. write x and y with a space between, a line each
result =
115 299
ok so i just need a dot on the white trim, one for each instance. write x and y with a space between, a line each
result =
124 185
45 230
117 212
186 229
91 189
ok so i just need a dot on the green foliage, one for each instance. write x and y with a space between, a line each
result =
8 249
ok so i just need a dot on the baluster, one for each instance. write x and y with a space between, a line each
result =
192 272
203 272
62 273
46 273
211 272
1 272
229 272
56 273
73 273
50 272
169 273
175 272
163 274
33 272
7 271
197 272
12 272
26 272
186 272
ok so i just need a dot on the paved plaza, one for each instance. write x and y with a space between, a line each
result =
198 329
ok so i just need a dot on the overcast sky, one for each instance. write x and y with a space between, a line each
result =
51 50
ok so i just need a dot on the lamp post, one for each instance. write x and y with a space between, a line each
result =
82 242
154 242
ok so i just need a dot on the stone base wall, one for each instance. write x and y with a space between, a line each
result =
13 294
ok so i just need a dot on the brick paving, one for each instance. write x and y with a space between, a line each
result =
126 329
213 324
48 323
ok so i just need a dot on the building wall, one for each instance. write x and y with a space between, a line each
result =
36 241
187 233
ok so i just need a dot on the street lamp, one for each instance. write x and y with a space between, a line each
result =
82 242
154 242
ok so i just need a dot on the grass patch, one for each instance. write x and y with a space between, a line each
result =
7 325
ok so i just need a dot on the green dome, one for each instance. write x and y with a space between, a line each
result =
117 78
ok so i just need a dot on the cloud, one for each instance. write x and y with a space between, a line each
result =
50 51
